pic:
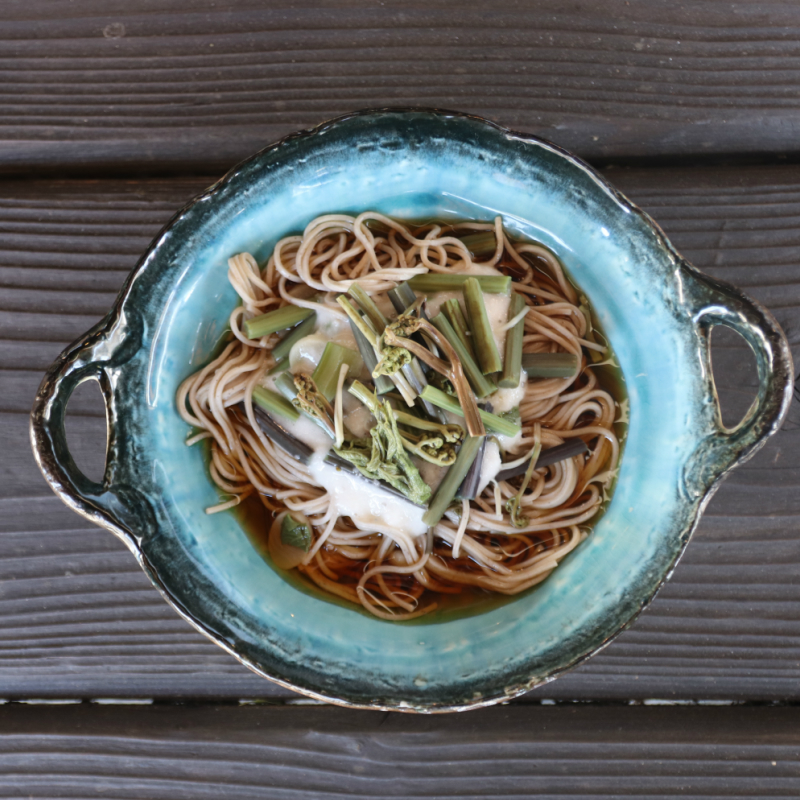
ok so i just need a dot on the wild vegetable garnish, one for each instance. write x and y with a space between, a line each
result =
382 456
459 440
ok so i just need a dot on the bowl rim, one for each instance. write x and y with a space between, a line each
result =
79 362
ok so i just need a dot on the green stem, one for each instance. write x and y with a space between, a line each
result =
402 296
326 374
274 321
491 421
440 282
274 403
482 385
366 331
550 365
382 383
305 328
452 480
281 366
482 337
284 383
483 243
455 316
374 314
512 358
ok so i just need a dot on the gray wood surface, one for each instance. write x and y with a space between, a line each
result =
507 752
79 619
200 84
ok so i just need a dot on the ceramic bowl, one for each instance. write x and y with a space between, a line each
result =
656 309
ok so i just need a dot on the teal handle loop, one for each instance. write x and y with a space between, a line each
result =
714 302
96 355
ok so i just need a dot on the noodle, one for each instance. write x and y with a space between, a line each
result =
393 573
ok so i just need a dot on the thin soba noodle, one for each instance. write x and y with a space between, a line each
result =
394 570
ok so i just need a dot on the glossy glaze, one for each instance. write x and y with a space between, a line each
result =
656 309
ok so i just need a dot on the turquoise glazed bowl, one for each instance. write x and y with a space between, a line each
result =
656 309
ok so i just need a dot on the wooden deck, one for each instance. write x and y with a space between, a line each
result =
112 115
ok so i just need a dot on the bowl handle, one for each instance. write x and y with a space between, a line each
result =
97 355
712 303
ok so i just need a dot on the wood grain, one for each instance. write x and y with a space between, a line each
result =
78 618
326 753
198 84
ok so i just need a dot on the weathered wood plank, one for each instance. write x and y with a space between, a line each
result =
78 618
508 752
199 84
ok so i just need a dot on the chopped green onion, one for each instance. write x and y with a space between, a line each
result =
452 480
482 337
402 296
512 358
305 328
282 365
284 383
326 374
550 365
455 316
374 314
472 480
439 282
491 421
274 403
274 321
482 385
296 534
483 243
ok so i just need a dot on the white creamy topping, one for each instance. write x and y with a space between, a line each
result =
370 508
491 464
505 399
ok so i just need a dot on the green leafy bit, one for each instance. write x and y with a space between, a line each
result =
274 403
382 456
442 282
512 358
296 534
512 415
482 337
274 321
